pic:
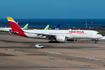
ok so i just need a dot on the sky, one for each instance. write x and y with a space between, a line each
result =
52 9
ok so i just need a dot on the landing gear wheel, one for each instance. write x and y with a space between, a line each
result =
96 41
53 42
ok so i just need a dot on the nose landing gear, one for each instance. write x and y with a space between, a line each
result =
96 40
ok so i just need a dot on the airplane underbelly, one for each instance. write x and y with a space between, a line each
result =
34 35
31 35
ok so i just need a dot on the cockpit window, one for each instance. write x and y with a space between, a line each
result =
98 33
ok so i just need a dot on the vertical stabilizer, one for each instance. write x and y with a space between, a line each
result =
15 27
25 27
57 27
47 27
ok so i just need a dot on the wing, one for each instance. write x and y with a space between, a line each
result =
42 34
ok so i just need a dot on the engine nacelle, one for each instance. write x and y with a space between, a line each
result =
61 38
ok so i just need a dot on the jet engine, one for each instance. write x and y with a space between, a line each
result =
61 38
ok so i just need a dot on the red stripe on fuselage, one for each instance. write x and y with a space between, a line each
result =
16 29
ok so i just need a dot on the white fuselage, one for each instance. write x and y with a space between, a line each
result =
70 34
5 28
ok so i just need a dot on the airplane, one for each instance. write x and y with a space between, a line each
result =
47 27
25 27
7 29
55 35
56 28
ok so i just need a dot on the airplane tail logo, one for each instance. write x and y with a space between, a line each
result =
47 27
25 27
57 27
15 27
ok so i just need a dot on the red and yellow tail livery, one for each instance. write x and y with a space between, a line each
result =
15 27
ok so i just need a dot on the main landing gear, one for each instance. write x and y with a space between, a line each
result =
53 42
96 40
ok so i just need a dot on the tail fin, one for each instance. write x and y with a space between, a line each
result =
57 27
25 27
15 27
47 27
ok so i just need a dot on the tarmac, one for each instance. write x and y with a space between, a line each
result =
19 53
